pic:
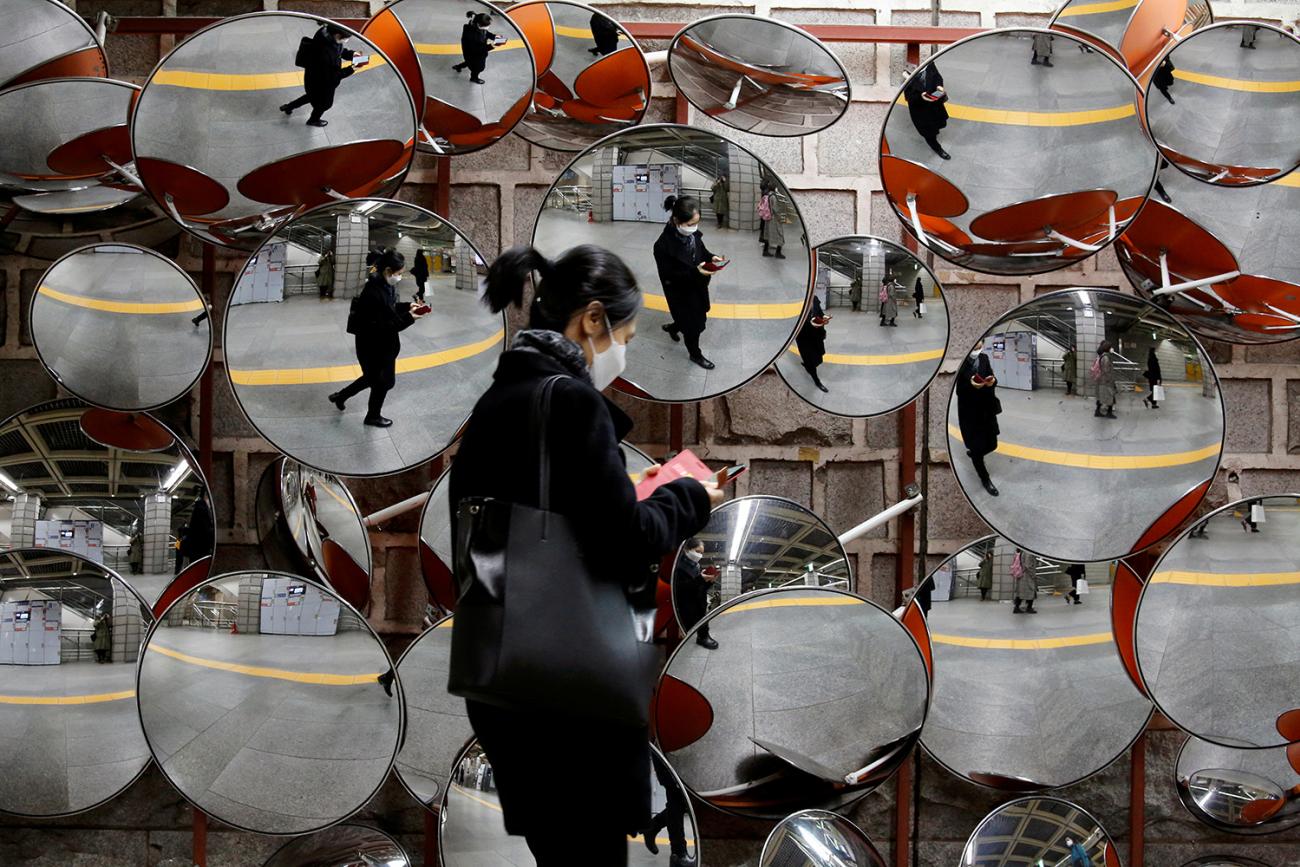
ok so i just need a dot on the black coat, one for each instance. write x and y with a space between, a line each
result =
380 318
420 269
1164 75
532 755
198 540
977 408
927 117
919 292
1152 373
325 70
475 43
690 592
686 289
605 32
811 339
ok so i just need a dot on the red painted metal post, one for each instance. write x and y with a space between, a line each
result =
200 842
208 286
431 855
442 191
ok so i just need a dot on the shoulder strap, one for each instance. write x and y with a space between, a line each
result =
538 425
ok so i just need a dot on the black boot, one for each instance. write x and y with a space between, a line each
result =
338 400
386 681
1110 412
990 487
766 251
1029 609
779 254
378 421
651 831
708 643
1016 610
703 362
1097 412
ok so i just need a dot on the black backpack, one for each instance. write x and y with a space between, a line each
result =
305 51
354 316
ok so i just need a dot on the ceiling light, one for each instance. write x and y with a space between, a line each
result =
9 483
740 529
178 472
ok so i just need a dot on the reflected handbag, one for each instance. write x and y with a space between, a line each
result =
536 628
303 56
1257 513
1081 588
1157 393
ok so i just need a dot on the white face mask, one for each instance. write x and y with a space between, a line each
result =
975 353
694 556
393 279
687 230
607 365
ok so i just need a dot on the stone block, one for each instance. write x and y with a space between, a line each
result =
238 558
784 156
884 222
1219 352
789 479
476 211
662 109
767 411
221 485
851 148
854 492
380 492
335 9
951 514
403 586
226 846
651 421
1248 410
216 8
23 382
827 214
1258 483
940 395
1022 19
509 154
1274 353
898 69
683 12
29 279
228 419
48 847
528 201
859 59
882 431
973 308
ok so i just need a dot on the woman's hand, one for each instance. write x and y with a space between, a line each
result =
651 471
716 496
718 260
705 271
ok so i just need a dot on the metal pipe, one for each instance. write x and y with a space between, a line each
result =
899 508
1170 289
408 505
206 402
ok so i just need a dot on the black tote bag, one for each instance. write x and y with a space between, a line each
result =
536 628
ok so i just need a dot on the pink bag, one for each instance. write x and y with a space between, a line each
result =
765 208
1095 370
1017 567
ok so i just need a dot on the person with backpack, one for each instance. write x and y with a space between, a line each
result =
1103 376
770 231
475 43
1152 376
888 304
321 59
1024 572
977 411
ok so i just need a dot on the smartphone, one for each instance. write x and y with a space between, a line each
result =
729 474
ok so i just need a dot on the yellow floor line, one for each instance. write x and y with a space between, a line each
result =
339 498
662 841
450 49
1237 83
1022 643
903 358
1100 462
313 678
718 310
1226 579
1097 8
1008 117
135 308
1291 180
792 603
67 699
349 372
242 81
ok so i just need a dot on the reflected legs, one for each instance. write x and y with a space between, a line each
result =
977 461
557 848
692 339
812 371
375 407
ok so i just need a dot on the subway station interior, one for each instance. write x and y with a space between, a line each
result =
365 369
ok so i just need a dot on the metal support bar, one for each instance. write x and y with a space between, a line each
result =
209 279
410 504
902 507
916 219
199 843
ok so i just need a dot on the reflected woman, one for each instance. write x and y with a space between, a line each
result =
925 106
681 259
977 411
811 342
605 33
582 317
1103 373
475 43
771 230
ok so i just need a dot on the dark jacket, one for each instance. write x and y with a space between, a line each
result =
605 32
1164 75
198 540
532 755
325 69
977 408
686 289
475 43
811 339
1152 373
380 318
690 593
927 117
919 292
420 268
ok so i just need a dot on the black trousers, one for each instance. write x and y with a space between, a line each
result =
557 847
977 461
673 818
933 141
320 101
419 289
692 341
375 407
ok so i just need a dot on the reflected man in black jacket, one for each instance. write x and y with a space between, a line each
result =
691 591
379 317
322 74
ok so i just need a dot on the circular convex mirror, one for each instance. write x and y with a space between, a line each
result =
804 697
121 326
875 333
1242 791
471 831
269 703
1018 165
759 75
1033 830
125 506
1133 31
754 543
475 67
1225 861
259 116
1220 260
1215 619
309 524
70 633
592 77
1029 689
45 39
1058 434
341 846
437 725
719 305
818 838
1209 91
66 177
376 391
436 550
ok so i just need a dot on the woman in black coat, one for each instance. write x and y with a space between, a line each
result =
811 342
583 313
680 256
1152 376
322 74
928 116
977 411
475 43
376 319
420 271
918 295
605 32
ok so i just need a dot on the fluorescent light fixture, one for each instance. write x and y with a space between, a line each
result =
369 206
739 531
1084 297
178 472
9 483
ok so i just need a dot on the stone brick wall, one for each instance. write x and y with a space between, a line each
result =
844 469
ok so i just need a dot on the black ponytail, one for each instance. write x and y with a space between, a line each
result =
389 260
568 284
682 208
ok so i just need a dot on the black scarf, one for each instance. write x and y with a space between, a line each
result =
554 345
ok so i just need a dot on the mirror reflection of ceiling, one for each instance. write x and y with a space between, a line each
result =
1240 790
1053 433
437 727
1035 160
1209 92
1215 626
44 39
70 636
1024 700
221 147
288 353
870 357
1236 242
816 838
341 846
1035 832
297 674
116 325
1133 30
759 75
592 77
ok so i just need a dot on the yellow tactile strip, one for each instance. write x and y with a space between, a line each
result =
1011 117
309 677
901 358
67 699
1226 579
1100 462
721 310
1222 83
1022 643
134 308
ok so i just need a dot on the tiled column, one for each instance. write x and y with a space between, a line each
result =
744 177
729 581
158 552
602 190
27 508
351 243
466 268
1089 331
128 626
248 613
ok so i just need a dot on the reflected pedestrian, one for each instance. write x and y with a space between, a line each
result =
977 411
811 342
682 261
1077 573
1163 79
1152 376
1042 48
925 105
691 586
984 581
1070 369
1024 572
672 817
325 274
1103 374
918 295
475 43
771 230
322 62
605 32
720 197
888 304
